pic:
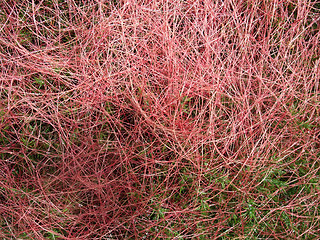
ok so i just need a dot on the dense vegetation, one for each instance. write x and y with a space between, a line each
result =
159 119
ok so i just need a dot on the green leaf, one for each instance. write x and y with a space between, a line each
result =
39 81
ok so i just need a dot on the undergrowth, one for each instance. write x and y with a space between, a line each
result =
159 119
